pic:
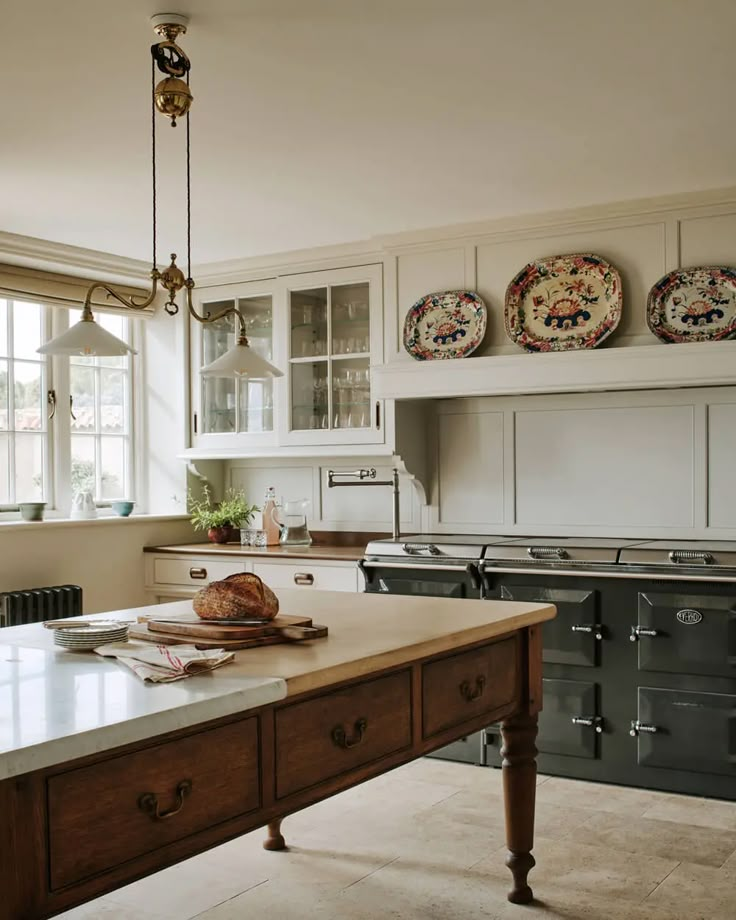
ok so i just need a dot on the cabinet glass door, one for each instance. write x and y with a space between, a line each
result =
330 343
242 406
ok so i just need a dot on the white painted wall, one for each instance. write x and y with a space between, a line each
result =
105 557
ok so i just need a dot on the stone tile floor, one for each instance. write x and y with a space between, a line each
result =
425 842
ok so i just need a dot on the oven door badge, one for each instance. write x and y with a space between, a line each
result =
689 617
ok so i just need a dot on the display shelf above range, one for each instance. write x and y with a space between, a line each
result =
626 368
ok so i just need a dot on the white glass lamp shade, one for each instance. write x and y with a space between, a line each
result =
86 338
241 361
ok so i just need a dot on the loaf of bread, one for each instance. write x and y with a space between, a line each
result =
238 597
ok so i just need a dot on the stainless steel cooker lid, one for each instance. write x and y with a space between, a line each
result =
434 546
682 553
550 550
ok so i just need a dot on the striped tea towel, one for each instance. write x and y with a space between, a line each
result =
163 663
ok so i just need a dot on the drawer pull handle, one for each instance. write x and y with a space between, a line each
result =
197 572
304 578
471 694
148 802
340 737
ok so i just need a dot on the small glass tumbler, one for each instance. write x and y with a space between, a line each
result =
258 538
246 536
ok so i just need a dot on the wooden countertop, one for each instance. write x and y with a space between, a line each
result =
315 551
369 632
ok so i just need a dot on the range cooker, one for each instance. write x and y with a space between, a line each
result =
639 664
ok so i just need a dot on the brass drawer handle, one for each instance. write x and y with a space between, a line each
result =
303 578
471 694
148 802
340 738
197 572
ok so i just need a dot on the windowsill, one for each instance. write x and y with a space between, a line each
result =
14 523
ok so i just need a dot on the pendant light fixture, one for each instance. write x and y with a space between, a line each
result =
172 98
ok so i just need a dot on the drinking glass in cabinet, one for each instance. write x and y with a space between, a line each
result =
308 323
351 394
350 319
218 403
309 396
258 315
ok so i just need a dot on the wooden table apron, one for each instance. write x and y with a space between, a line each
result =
75 831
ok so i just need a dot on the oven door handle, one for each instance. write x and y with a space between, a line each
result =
469 568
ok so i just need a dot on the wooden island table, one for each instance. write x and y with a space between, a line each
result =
104 779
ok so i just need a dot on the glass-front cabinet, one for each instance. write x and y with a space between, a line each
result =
324 331
229 410
334 338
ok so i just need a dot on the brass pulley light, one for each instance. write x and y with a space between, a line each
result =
172 98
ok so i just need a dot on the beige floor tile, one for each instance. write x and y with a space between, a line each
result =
694 892
599 871
102 909
597 796
467 807
707 846
187 889
690 810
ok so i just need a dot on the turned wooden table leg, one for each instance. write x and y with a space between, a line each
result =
519 787
275 839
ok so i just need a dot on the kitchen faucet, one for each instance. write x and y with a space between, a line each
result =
368 478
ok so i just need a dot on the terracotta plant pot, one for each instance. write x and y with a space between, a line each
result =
218 534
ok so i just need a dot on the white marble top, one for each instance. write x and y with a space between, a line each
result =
57 705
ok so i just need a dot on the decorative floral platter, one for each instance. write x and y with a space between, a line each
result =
563 302
694 305
450 324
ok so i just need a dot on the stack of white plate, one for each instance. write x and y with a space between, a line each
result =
86 638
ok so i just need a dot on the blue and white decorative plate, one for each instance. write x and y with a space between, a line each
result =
450 324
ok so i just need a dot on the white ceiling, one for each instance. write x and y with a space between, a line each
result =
326 121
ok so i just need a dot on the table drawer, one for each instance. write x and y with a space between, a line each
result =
464 686
99 818
340 731
194 572
307 575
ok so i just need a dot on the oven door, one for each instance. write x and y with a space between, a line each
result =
427 578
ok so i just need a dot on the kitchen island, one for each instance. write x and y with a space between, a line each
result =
142 781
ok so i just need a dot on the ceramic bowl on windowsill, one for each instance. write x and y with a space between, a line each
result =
32 511
122 508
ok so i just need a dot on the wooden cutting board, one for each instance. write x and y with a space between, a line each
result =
287 627
141 631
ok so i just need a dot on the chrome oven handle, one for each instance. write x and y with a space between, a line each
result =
420 549
547 552
691 555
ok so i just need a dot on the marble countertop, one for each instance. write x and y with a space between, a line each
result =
315 551
57 705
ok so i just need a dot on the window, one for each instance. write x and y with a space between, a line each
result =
88 444
101 448
24 447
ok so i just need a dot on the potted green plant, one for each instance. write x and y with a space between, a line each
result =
221 520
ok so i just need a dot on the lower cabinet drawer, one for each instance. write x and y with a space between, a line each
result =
307 575
462 687
121 808
194 572
341 731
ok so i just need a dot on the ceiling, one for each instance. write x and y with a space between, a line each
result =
327 121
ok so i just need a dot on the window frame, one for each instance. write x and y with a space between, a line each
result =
56 378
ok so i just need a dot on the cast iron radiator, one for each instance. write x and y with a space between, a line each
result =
37 604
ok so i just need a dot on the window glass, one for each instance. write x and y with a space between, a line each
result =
3 328
4 468
29 463
26 330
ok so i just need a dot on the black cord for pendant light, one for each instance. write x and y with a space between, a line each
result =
153 155
189 202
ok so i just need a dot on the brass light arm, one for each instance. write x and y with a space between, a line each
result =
130 302
213 317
